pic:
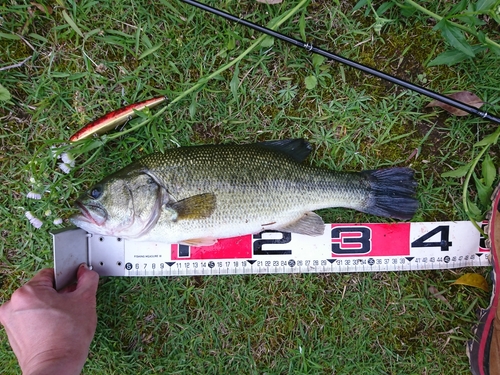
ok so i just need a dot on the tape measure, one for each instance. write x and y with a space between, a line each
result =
342 248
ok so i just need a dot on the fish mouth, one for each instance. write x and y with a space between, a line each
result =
88 217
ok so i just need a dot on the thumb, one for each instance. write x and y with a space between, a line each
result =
86 279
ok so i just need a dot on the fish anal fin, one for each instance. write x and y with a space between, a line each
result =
198 206
207 241
310 224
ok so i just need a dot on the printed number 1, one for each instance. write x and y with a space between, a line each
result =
444 243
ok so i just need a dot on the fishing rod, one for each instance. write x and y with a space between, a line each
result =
332 56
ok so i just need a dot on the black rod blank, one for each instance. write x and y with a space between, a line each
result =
329 55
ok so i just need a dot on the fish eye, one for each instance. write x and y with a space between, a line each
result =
96 192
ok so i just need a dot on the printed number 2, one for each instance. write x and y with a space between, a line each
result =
444 244
260 242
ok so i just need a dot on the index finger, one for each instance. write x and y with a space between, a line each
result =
44 278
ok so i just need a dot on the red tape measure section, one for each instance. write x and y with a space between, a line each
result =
371 240
228 248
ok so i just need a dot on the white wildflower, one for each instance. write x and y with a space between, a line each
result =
65 167
48 213
33 195
68 159
54 151
58 221
36 222
32 180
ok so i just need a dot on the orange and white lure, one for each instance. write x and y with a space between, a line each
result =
113 119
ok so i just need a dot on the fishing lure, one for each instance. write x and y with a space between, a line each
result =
115 118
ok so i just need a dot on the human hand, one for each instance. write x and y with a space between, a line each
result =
49 331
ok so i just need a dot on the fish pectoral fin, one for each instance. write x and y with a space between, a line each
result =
207 241
170 213
310 224
196 207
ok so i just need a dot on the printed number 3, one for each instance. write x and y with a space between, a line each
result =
351 240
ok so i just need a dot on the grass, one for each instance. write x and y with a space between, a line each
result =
377 323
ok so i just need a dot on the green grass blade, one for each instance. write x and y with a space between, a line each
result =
72 23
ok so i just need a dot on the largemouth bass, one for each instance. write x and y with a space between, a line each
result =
196 195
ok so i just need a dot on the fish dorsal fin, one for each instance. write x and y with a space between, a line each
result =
310 224
196 207
298 149
207 241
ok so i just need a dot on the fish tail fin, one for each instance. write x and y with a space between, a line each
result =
392 193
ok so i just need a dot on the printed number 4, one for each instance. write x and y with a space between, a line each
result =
444 244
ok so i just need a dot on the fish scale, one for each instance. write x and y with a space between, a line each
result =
219 191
